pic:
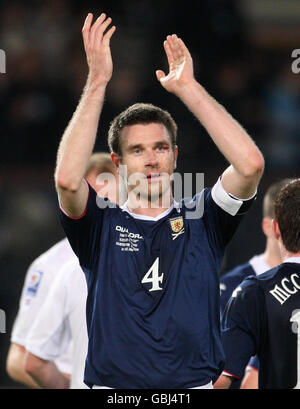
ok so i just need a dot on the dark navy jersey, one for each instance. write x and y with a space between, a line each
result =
263 318
153 293
231 280
253 363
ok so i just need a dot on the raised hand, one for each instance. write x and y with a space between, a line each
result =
97 48
181 71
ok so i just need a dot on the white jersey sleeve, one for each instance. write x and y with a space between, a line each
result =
50 334
38 280
61 320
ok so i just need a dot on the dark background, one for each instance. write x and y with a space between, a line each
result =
242 55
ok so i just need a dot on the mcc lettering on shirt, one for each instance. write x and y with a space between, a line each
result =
288 287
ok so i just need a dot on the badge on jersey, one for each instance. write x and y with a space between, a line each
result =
177 227
33 283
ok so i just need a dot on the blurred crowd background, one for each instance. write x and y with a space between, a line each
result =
242 55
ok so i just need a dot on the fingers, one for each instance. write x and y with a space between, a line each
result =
183 47
86 29
175 46
94 34
169 53
107 36
100 29
160 75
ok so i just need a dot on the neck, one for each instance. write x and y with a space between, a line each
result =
151 208
287 254
272 253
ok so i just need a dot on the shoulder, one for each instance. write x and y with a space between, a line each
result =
55 254
248 289
271 274
238 273
68 272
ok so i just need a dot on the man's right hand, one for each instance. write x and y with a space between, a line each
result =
97 48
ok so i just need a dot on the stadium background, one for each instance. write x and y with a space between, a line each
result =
242 54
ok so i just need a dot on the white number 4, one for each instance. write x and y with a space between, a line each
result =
152 276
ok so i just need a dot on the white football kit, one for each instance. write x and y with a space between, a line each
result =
62 318
38 280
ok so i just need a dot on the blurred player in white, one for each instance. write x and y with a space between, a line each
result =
38 280
62 317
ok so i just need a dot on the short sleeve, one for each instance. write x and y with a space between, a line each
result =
222 215
84 233
50 335
33 295
241 326
253 363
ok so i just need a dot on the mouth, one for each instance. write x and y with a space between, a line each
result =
153 177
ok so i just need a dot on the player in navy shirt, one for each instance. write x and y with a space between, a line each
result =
257 265
151 266
262 317
260 263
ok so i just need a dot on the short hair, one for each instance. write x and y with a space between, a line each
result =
139 113
270 195
100 162
287 215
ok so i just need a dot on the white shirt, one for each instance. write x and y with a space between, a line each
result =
38 280
259 265
62 318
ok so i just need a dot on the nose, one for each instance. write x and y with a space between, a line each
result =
151 159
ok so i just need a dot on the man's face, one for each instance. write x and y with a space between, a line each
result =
149 158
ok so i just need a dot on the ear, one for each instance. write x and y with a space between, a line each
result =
116 160
276 229
267 227
175 150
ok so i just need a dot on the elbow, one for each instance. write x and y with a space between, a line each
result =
64 183
12 370
255 167
32 365
14 362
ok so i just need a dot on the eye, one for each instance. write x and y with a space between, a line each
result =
161 148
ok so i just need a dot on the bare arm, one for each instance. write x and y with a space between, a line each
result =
15 366
45 373
223 382
242 176
250 380
79 137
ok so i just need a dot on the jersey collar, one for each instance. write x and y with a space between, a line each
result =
175 205
292 260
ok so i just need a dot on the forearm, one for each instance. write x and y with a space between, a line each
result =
79 137
46 374
228 135
223 382
15 367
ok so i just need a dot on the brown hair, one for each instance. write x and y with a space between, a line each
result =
287 214
100 162
270 195
139 113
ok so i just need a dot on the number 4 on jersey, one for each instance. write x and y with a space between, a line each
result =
152 276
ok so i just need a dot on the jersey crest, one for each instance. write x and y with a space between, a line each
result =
34 283
177 226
